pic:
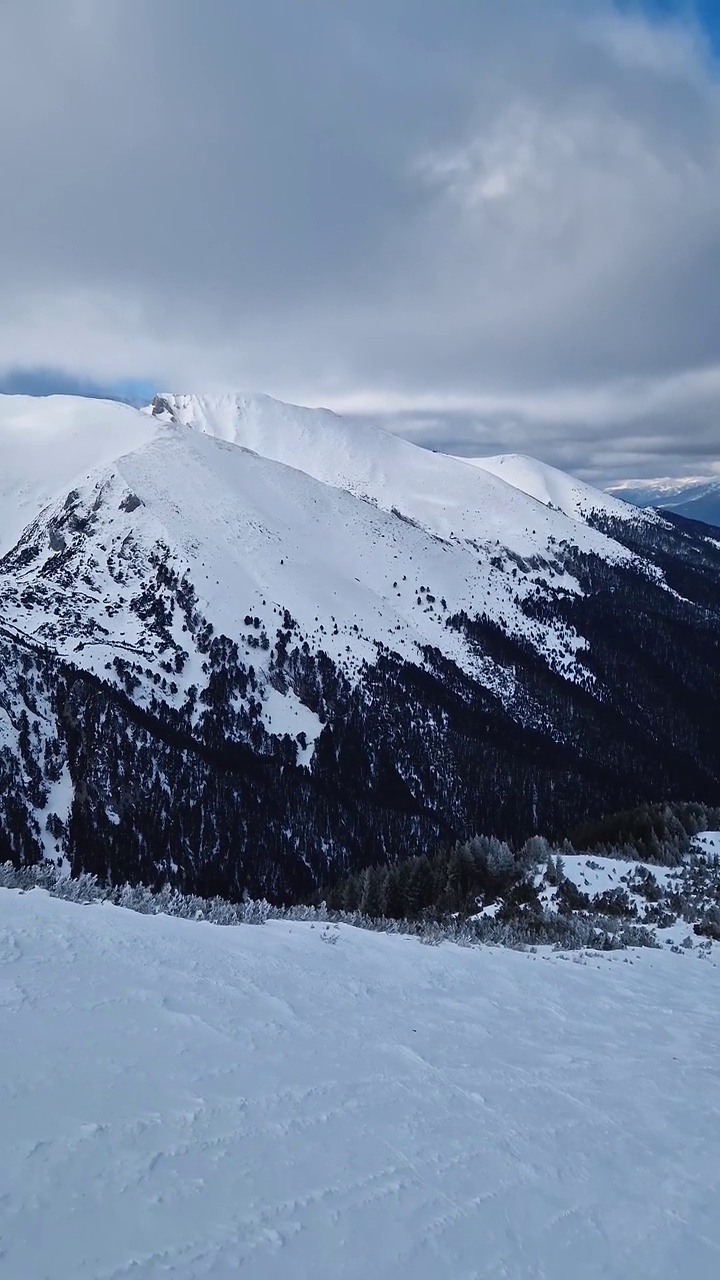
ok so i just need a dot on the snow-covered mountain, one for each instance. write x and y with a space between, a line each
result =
252 537
440 492
47 445
554 488
243 640
695 498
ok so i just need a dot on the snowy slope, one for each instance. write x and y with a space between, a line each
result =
594 873
443 494
184 1100
554 488
256 538
47 445
309 578
707 842
262 511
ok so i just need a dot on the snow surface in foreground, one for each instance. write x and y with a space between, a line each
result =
178 1099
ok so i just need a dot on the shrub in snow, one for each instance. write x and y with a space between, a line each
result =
521 918
709 925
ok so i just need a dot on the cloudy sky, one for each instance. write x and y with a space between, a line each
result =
492 226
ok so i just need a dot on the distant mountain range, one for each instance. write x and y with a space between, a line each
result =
245 644
697 498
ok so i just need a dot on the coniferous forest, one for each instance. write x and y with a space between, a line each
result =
411 758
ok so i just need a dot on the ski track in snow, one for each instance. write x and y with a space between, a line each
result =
184 1100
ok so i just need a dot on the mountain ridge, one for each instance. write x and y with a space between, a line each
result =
223 670
437 489
552 487
695 497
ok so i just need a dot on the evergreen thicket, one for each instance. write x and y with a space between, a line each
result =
480 892
477 873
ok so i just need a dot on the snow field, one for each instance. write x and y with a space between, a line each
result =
440 492
368 540
555 488
183 1100
260 537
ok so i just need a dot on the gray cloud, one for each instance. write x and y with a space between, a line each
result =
493 231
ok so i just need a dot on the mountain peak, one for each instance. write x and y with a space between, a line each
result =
49 444
489 502
554 488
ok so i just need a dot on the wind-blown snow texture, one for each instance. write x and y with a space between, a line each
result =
186 1100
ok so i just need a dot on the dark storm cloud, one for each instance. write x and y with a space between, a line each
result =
496 228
